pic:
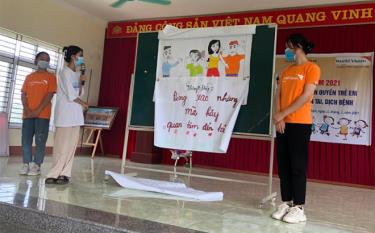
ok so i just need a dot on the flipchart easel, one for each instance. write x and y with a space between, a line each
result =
270 197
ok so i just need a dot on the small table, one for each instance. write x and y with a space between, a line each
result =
177 154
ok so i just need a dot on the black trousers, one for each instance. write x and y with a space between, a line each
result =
292 157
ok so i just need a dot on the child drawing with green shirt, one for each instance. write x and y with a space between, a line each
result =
195 69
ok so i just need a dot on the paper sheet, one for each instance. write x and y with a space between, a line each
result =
171 188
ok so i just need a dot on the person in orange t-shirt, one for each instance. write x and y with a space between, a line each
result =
37 92
293 121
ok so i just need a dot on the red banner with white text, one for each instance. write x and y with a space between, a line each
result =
306 17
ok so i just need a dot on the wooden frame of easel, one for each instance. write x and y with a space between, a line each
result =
98 139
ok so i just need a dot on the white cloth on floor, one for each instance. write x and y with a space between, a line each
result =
171 188
132 193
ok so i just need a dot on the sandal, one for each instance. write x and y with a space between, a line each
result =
50 181
62 180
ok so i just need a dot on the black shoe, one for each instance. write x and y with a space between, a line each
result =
50 181
62 180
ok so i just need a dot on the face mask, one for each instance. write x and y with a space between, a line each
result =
42 65
290 55
79 61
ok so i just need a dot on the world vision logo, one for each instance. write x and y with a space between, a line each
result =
354 61
296 77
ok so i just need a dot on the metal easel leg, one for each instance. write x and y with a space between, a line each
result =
175 167
271 197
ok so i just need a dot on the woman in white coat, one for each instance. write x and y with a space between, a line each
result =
68 116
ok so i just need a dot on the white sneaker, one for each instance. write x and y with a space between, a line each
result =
295 215
24 169
281 211
34 170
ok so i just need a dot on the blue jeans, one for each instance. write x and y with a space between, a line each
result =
40 128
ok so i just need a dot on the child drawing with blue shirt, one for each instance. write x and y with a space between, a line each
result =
168 62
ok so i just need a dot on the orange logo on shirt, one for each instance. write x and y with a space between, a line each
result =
296 77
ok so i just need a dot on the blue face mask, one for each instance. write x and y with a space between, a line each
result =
42 65
290 55
80 61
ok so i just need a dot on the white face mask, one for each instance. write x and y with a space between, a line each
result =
42 65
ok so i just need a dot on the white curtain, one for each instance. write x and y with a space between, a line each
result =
4 134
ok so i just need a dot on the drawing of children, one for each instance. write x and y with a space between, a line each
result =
359 127
169 62
327 123
344 127
233 59
313 126
214 58
195 69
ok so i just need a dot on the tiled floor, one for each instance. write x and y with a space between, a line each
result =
330 208
7 228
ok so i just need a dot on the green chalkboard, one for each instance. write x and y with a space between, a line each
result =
253 118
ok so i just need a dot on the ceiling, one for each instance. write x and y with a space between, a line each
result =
142 10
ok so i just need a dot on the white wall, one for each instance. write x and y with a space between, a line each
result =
57 23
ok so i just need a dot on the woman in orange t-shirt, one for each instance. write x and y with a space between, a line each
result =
293 120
